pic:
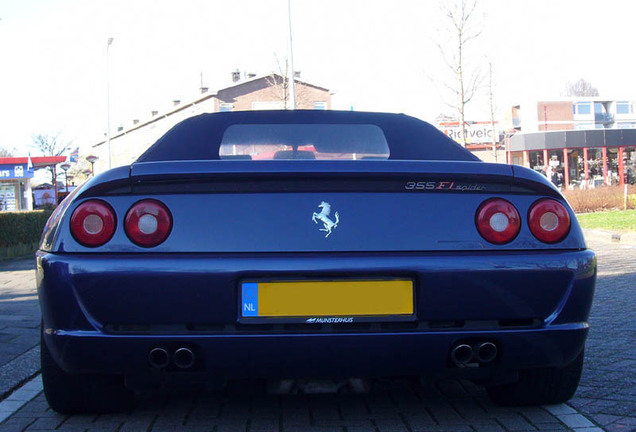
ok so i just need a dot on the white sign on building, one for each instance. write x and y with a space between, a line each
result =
476 132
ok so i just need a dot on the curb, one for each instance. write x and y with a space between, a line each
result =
20 397
625 239
19 370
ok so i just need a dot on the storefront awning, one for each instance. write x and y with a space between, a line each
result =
573 139
37 161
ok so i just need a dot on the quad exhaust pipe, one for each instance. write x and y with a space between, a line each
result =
183 358
462 354
158 358
486 352
481 352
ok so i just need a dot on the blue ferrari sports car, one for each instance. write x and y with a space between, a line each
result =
311 244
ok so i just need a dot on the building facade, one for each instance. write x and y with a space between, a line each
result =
573 114
580 142
16 173
251 93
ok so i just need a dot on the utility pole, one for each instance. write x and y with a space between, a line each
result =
291 59
109 43
492 112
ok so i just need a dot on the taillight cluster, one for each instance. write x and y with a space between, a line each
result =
93 223
498 221
147 223
549 220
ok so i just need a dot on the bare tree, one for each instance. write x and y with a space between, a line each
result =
580 88
463 26
281 84
50 145
4 152
491 100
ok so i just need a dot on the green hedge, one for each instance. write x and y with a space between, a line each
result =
20 232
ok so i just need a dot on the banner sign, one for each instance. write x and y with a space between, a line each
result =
12 172
476 132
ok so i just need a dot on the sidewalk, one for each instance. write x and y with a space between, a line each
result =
625 239
19 324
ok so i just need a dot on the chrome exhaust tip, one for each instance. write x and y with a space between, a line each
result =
486 352
183 358
461 354
158 358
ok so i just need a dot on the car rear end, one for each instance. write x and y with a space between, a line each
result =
247 268
421 262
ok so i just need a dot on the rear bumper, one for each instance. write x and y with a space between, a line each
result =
532 305
317 355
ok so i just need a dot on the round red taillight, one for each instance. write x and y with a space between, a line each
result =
498 221
93 223
549 220
148 223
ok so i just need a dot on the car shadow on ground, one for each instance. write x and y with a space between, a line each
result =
18 264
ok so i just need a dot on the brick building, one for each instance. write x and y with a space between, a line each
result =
249 93
573 114
584 142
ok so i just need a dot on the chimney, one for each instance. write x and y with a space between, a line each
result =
251 75
154 113
120 128
135 121
176 102
296 74
203 90
236 76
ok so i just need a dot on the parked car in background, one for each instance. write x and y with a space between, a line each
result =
305 244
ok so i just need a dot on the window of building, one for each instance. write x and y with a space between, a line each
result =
582 108
225 107
7 196
624 108
320 105
598 108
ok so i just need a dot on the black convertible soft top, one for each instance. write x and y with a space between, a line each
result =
200 137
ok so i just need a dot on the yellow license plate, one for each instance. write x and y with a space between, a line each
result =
326 298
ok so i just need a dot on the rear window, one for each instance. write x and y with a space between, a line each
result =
303 141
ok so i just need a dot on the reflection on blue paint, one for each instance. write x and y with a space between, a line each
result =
250 299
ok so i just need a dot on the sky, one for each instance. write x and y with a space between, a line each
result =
374 55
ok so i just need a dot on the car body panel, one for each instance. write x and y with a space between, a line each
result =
104 308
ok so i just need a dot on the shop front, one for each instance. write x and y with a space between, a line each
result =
15 187
584 159
15 180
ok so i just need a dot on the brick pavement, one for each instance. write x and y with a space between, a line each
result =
606 396
607 392
19 324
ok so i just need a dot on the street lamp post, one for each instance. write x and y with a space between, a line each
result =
91 159
65 166
110 42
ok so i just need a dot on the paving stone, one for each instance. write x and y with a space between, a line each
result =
14 424
46 423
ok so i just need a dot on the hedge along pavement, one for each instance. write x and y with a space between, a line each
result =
20 232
